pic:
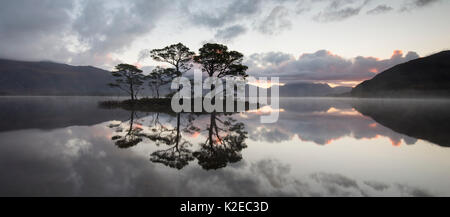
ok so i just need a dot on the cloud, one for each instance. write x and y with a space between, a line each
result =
380 9
337 15
422 3
34 31
276 21
117 26
415 4
337 179
303 6
77 32
323 66
268 59
95 32
339 10
239 11
223 15
407 190
379 186
231 32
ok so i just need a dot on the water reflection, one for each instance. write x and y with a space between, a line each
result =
319 147
224 143
422 119
18 113
322 122
132 133
177 153
224 139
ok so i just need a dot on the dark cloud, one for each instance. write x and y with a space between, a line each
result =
407 190
337 15
117 26
240 12
303 6
325 66
83 32
415 4
380 9
337 184
379 186
421 3
92 32
230 33
338 10
268 59
35 31
276 21
211 17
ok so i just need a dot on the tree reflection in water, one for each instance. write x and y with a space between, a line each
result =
224 143
178 155
225 139
132 136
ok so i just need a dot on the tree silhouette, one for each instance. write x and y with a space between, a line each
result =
226 138
159 77
217 61
129 79
177 55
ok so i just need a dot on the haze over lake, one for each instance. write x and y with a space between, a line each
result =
69 146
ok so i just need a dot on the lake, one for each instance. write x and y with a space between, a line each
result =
69 146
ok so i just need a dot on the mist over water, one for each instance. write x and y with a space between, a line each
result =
56 146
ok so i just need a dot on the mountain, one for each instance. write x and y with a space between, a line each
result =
311 89
423 77
48 78
55 79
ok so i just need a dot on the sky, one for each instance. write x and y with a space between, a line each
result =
339 42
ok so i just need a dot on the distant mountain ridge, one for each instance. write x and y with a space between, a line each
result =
423 77
49 78
311 90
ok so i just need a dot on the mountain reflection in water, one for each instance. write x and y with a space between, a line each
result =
319 147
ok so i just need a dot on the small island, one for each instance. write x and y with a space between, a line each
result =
215 60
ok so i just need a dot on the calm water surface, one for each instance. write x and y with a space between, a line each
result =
56 146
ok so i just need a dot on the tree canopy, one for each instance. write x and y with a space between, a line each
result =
161 76
177 55
128 79
217 60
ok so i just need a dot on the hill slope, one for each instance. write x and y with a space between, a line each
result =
47 78
55 79
423 77
311 89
